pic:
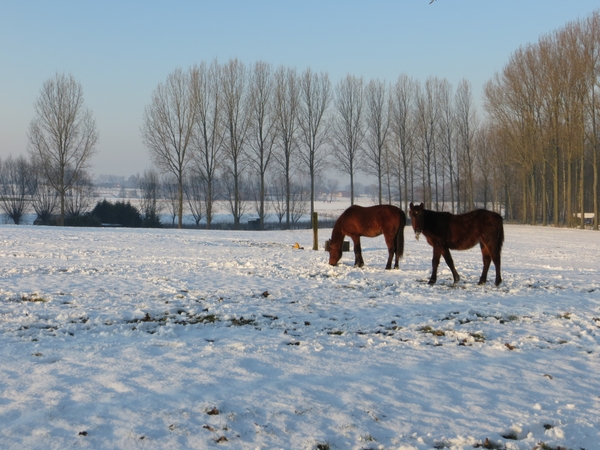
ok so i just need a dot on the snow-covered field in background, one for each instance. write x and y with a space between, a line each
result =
117 338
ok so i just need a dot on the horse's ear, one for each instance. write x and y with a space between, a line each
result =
422 205
411 205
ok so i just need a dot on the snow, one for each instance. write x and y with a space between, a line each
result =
120 338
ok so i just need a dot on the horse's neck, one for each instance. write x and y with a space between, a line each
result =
434 220
429 219
336 234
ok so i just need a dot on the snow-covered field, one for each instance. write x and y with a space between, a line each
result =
117 338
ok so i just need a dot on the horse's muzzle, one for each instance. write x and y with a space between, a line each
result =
417 233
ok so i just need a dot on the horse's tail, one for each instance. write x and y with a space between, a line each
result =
501 234
400 235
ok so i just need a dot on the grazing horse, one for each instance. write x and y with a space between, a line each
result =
371 221
445 231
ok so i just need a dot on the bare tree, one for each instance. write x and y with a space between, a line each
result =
427 114
348 130
332 187
287 101
299 203
377 128
80 196
62 136
279 197
150 187
15 184
238 192
44 198
170 191
483 162
402 127
315 96
196 190
467 125
168 128
260 207
209 135
236 116
447 139
263 127
592 52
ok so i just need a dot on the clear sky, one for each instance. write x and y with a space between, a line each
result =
121 50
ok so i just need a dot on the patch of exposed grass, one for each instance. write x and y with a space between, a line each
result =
148 318
199 318
241 322
429 330
511 318
367 438
544 446
33 298
479 337
511 435
489 445
440 445
182 319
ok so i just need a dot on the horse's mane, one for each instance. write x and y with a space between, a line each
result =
336 232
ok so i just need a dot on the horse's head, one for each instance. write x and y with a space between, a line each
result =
417 218
335 252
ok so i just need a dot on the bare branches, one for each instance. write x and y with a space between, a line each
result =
62 136
209 135
377 123
315 96
15 187
168 128
348 130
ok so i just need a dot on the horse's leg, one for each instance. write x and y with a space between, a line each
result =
487 259
496 259
435 262
391 245
358 259
450 262
391 252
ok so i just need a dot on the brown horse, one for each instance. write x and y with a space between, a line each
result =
445 231
371 221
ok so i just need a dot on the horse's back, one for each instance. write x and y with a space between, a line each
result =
488 221
483 226
463 231
371 221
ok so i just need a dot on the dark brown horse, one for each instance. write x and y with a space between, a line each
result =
445 231
371 221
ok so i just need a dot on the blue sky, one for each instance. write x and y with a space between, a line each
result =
121 50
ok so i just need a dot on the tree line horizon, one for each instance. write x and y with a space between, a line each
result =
243 131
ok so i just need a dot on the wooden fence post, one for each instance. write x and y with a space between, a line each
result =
315 227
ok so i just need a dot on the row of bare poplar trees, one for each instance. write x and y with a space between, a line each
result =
544 112
225 121
220 121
